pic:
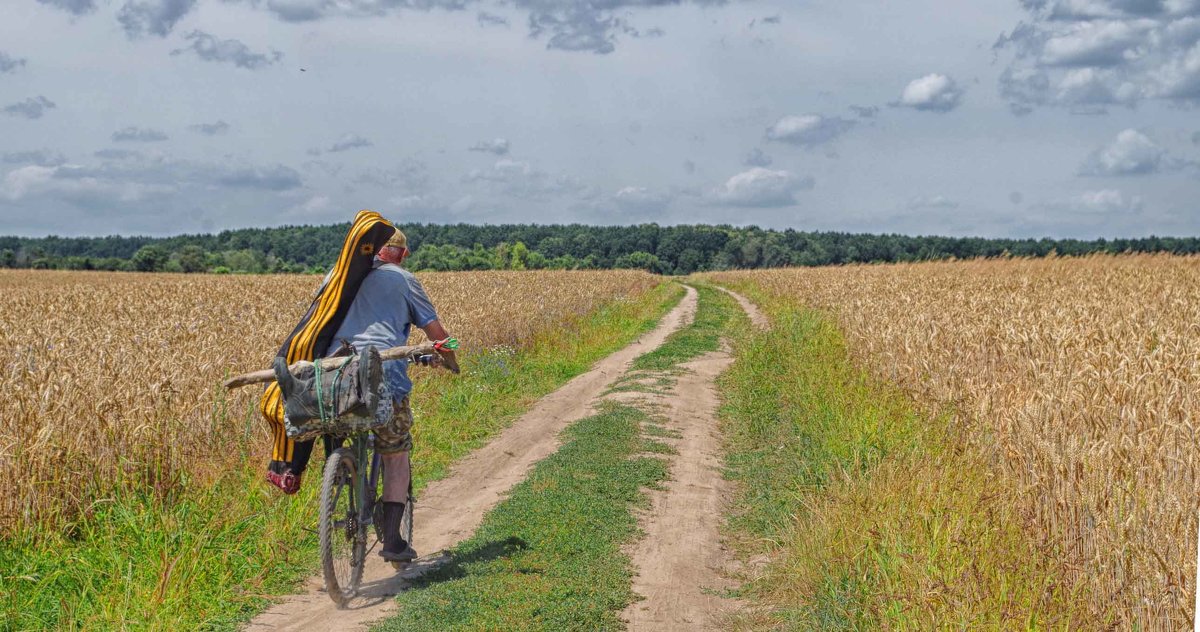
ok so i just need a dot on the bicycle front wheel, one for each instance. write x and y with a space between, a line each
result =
343 535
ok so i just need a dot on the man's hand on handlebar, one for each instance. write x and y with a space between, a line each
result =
443 356
435 331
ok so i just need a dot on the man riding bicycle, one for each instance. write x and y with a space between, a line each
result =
389 301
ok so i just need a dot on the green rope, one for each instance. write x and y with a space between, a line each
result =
337 380
317 378
327 416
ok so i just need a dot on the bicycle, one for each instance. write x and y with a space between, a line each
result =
350 501
349 508
350 494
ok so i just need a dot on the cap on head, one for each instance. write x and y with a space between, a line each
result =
398 240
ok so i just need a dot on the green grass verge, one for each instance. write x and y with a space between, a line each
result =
549 557
713 311
202 561
874 515
653 372
214 557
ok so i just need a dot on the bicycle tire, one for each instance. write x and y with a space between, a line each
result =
343 537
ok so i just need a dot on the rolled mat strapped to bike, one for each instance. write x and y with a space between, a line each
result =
313 335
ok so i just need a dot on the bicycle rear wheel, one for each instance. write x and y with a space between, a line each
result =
342 534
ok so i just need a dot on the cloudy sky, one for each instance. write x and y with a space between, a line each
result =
1002 118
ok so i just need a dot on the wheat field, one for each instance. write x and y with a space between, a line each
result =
111 381
1080 381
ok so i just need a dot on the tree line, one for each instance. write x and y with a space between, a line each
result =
449 247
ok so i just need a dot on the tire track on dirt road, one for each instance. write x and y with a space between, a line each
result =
757 317
450 509
681 563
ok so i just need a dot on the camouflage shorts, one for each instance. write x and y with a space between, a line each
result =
396 436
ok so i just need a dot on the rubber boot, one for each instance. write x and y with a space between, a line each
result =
395 549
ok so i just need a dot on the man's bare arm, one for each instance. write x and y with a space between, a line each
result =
435 331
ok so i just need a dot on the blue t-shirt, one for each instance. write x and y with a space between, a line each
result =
388 303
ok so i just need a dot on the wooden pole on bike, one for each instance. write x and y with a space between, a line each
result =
268 375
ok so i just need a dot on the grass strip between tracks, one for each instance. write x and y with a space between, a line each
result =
550 557
213 557
873 513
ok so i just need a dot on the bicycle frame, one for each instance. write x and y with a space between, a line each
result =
362 445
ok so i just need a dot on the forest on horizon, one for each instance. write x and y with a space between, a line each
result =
681 249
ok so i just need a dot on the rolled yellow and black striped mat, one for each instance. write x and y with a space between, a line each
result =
315 331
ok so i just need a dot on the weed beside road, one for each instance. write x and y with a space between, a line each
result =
873 513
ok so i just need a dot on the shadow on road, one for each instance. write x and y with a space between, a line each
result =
422 572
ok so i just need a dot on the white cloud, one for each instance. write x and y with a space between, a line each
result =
1106 201
136 178
430 207
1095 43
1131 153
808 130
759 187
316 206
519 179
410 176
417 202
20 181
641 200
151 195
1179 77
931 202
1077 53
58 181
507 168
1082 87
933 92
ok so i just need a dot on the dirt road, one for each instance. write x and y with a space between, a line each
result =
681 564
757 317
449 510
